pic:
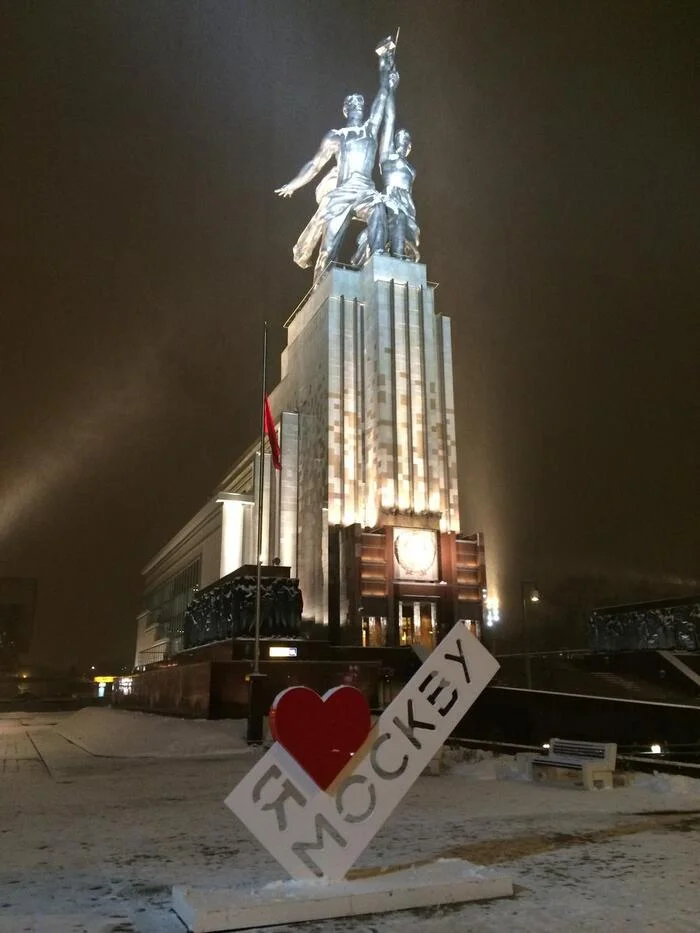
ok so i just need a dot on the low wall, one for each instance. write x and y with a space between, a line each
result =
219 689
532 717
178 690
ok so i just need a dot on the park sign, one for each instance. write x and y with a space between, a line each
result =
330 780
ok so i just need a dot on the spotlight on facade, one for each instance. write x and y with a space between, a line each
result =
493 610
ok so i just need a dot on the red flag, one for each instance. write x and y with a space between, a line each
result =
272 436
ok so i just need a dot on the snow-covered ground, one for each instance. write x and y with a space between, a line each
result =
102 811
124 734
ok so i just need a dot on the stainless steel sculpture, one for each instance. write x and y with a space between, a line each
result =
398 176
348 192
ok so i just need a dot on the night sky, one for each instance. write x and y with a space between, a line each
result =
558 193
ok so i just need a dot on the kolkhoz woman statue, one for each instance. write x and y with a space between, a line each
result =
398 176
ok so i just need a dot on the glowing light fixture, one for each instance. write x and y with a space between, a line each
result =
282 651
493 610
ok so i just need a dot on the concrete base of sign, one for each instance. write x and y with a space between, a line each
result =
447 881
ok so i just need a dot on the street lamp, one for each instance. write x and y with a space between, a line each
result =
529 593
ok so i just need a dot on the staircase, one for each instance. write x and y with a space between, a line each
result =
621 685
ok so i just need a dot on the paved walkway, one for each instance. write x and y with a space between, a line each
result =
32 746
35 758
18 754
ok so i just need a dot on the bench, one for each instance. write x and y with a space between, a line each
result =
588 763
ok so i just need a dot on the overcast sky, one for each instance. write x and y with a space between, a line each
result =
558 193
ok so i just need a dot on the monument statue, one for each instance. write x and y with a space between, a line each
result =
398 176
348 191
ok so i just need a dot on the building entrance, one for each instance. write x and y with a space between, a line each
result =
373 631
418 623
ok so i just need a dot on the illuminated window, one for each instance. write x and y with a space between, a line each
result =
373 631
167 603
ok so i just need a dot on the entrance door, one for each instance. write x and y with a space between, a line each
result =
373 631
417 623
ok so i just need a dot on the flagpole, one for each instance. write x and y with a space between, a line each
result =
261 492
255 691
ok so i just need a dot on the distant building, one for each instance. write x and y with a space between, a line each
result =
17 604
365 508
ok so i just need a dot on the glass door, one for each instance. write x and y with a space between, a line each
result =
373 631
406 621
427 614
417 623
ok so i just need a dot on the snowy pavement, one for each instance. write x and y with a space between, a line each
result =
102 811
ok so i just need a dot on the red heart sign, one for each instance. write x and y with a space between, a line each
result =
322 733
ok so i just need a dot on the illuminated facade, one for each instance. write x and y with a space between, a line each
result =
365 508
369 360
371 472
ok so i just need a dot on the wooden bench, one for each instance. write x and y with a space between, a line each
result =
590 764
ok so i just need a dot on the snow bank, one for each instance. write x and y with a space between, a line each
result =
125 734
478 765
668 783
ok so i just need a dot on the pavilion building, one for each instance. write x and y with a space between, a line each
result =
365 508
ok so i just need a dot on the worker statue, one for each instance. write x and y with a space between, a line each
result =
347 192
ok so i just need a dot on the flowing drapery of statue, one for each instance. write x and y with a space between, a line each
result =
348 192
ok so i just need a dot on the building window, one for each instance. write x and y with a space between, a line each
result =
167 602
